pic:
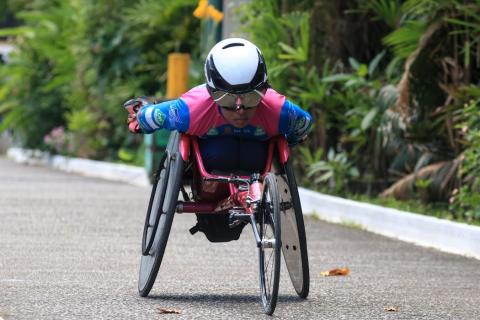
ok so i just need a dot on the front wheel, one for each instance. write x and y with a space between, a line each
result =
268 221
160 213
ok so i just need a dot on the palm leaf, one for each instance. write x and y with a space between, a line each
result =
405 40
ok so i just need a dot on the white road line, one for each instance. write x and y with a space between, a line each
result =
11 280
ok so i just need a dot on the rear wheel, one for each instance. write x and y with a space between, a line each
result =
301 282
294 242
268 222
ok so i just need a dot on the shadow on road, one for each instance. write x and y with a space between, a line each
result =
221 298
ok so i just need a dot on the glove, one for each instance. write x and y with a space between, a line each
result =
297 141
133 106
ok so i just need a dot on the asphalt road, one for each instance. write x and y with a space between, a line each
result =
70 248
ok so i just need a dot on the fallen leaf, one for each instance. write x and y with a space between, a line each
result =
391 309
165 310
336 272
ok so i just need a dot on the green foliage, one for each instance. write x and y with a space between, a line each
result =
413 104
169 21
367 122
410 19
334 172
134 157
405 39
344 104
466 199
401 19
310 157
466 23
32 99
283 38
389 11
79 60
379 125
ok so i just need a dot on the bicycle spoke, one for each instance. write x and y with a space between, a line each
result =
269 273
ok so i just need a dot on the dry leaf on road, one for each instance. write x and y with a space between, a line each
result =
391 309
336 272
165 310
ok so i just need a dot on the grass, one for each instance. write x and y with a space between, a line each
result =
346 223
351 224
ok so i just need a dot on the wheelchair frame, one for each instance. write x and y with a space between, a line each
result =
263 200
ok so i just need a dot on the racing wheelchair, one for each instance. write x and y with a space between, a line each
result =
268 201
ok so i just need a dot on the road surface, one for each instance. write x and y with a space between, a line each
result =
70 248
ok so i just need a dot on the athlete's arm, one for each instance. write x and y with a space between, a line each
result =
295 123
170 115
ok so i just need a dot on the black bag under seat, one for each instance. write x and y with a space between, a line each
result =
216 227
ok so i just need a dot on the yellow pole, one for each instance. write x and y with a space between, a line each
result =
177 74
177 84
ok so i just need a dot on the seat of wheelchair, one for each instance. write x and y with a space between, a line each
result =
243 173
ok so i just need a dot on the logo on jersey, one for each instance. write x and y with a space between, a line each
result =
301 126
174 114
259 132
213 132
159 117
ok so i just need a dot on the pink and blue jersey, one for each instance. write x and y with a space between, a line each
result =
197 114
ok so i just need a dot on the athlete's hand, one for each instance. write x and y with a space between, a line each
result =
303 139
297 141
133 106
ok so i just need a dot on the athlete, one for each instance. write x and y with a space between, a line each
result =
233 114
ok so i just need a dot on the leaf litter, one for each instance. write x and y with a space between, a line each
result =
336 272
391 309
168 311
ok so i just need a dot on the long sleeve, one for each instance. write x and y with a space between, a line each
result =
170 115
294 122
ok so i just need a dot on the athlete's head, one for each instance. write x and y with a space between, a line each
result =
236 76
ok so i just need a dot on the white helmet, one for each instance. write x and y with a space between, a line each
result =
237 66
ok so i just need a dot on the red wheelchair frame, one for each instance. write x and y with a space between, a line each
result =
209 185
261 199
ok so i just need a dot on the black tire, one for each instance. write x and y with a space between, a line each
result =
162 206
268 222
156 201
303 288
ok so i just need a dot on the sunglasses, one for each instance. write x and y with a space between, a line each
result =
234 102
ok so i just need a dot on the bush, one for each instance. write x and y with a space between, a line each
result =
77 62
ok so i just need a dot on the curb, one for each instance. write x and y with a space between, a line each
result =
90 168
422 230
